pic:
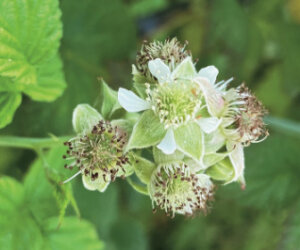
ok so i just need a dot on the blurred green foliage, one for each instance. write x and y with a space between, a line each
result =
254 41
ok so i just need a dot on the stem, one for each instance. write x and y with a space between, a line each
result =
32 143
284 126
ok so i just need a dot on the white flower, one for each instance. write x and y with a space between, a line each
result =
176 99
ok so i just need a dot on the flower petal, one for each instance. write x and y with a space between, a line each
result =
185 69
168 144
131 102
160 70
209 72
213 98
237 160
209 125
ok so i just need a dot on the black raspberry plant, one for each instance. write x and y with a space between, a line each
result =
195 126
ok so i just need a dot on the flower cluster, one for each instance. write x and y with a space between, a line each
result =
196 126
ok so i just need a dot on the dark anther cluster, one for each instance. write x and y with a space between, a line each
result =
99 153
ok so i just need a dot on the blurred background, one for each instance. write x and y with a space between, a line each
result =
257 42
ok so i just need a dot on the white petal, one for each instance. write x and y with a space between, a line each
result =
168 144
209 125
237 159
209 72
185 69
160 70
131 102
213 98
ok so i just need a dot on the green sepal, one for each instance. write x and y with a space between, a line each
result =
161 158
125 125
214 141
213 158
84 118
222 171
138 187
189 140
109 99
99 185
185 69
148 131
143 168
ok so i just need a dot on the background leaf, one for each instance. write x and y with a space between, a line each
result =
9 102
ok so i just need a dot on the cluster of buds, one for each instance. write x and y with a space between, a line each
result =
197 128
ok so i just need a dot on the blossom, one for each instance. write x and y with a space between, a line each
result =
178 99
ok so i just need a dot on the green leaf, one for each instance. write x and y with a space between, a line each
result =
26 207
51 82
148 131
30 33
143 168
47 172
9 102
30 36
222 171
19 230
189 140
73 234
85 118
109 100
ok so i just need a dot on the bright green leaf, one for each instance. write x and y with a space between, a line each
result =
51 82
30 36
